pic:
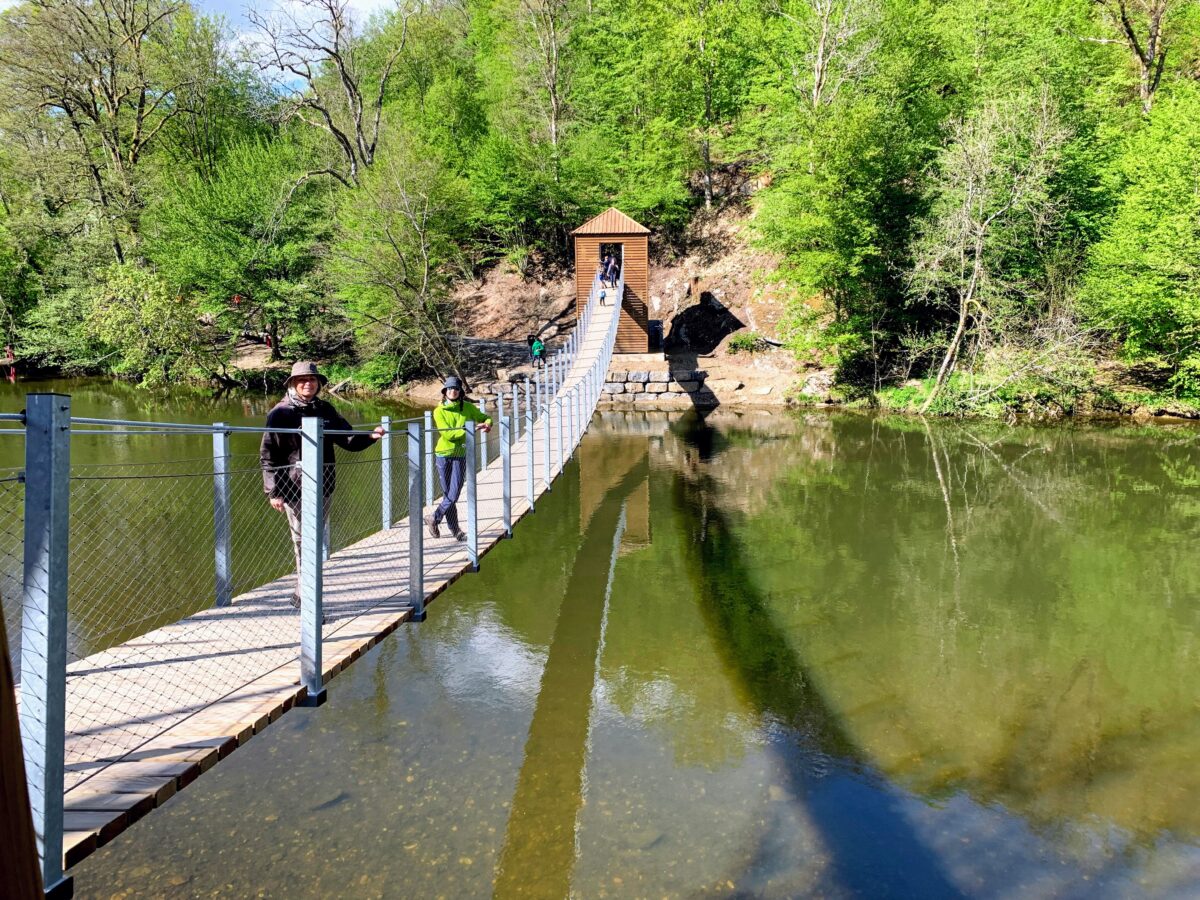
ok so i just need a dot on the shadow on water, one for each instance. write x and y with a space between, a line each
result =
873 849
539 845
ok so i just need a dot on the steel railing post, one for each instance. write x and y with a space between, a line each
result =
44 624
312 555
483 440
516 412
472 501
560 412
221 521
530 445
416 534
385 472
571 399
548 472
427 442
500 414
506 479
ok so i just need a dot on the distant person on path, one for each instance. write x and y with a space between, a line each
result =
603 297
280 453
538 349
613 269
450 417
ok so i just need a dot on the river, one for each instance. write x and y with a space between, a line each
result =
777 655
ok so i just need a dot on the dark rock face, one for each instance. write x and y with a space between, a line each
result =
700 328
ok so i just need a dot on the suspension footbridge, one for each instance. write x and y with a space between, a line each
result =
114 723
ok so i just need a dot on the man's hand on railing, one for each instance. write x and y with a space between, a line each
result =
277 504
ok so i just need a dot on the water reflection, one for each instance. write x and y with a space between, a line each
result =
841 656
539 847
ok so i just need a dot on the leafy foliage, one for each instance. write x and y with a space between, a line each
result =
1144 278
326 192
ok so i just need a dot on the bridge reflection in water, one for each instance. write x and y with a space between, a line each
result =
787 685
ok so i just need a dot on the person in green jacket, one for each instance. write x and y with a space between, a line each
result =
450 417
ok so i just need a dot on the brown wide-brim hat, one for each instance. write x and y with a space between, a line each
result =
305 369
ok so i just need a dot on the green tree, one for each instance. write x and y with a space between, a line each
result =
991 182
245 242
395 255
1143 283
155 335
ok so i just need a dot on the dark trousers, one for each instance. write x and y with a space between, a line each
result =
452 473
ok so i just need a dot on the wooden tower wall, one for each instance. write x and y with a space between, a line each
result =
633 331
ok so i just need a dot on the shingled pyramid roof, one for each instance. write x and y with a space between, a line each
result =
611 221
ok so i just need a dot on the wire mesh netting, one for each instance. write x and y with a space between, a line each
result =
12 549
368 562
148 643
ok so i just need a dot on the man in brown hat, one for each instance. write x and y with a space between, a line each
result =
280 453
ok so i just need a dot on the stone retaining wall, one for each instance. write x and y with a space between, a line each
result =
655 387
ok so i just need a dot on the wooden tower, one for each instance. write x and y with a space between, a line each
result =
612 229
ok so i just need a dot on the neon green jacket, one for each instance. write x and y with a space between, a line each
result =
452 419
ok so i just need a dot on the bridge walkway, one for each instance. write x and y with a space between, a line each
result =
124 759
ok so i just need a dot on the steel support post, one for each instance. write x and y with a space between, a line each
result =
506 478
499 414
385 473
416 528
549 473
427 442
472 501
483 441
44 624
312 556
560 412
516 412
571 398
221 521
530 445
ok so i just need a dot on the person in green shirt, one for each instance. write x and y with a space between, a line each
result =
538 350
450 418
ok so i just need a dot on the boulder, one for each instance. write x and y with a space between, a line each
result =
614 387
618 376
641 377
689 386
761 391
818 385
656 387
632 387
725 385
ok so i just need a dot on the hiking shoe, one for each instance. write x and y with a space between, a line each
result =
432 526
295 600
460 536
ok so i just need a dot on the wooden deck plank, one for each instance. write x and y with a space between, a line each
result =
147 717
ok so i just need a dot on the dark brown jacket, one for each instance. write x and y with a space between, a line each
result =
280 453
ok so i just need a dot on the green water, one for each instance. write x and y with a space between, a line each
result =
825 655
